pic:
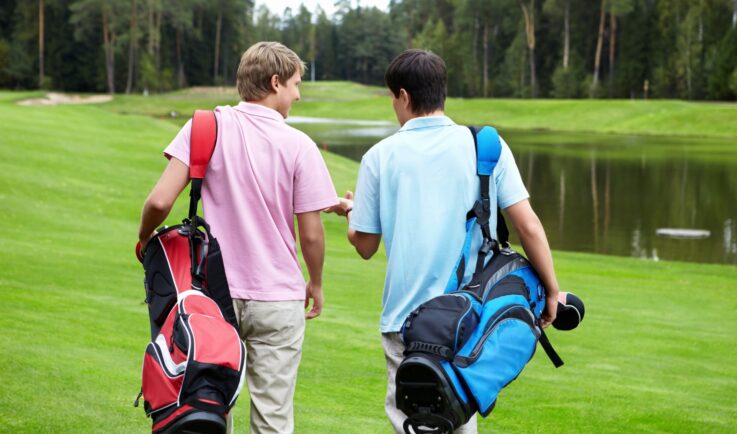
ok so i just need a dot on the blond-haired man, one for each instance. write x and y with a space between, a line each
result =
261 174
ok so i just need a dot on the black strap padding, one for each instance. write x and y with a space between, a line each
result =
460 271
502 230
195 193
549 350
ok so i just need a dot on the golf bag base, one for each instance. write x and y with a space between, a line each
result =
425 391
198 422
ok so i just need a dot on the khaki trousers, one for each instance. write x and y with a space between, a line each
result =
393 349
272 332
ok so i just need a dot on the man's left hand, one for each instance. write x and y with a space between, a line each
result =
551 309
313 292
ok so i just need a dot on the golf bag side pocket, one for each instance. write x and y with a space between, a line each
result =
440 326
498 351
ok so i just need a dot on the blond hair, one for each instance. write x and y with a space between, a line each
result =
262 61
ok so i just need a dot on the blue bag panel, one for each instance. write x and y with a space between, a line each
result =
458 387
505 351
490 313
537 290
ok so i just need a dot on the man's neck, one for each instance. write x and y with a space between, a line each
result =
266 102
438 112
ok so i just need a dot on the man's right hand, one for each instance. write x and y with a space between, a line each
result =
345 204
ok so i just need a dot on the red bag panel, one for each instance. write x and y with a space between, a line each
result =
200 303
159 389
176 248
215 342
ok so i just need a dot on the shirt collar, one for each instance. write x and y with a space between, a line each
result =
427 122
259 110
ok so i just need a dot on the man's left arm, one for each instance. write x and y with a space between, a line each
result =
162 198
535 243
513 197
312 244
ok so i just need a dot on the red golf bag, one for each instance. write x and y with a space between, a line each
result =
193 368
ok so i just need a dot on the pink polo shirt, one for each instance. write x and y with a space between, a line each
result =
262 172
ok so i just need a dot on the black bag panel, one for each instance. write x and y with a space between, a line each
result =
424 388
209 387
499 266
440 326
510 285
196 421
161 293
179 336
217 282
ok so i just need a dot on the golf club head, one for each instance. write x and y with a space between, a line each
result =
570 311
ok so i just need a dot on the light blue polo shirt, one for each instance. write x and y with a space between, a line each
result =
415 188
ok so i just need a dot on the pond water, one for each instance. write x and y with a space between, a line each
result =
609 194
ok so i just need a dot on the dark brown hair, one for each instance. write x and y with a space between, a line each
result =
423 75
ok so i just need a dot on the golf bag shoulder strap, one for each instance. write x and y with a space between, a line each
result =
488 151
488 147
202 143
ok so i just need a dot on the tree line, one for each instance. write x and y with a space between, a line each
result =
495 48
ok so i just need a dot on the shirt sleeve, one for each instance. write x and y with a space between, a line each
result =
366 216
179 147
313 187
509 186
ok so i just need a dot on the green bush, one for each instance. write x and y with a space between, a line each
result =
4 50
733 81
567 82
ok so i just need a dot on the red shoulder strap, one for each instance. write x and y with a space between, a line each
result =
202 142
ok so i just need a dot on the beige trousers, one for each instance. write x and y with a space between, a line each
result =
393 352
272 332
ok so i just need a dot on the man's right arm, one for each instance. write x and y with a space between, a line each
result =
162 198
366 244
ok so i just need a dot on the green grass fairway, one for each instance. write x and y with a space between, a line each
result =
344 100
656 352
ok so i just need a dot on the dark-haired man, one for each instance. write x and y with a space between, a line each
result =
415 188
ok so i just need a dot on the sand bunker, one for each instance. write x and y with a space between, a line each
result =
54 98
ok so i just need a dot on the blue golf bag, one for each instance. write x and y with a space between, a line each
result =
465 346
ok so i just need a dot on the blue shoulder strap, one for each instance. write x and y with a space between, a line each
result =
488 150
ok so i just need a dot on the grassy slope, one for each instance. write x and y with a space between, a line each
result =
354 101
655 353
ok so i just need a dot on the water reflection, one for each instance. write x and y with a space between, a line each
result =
609 194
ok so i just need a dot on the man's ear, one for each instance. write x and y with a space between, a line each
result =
406 99
275 83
